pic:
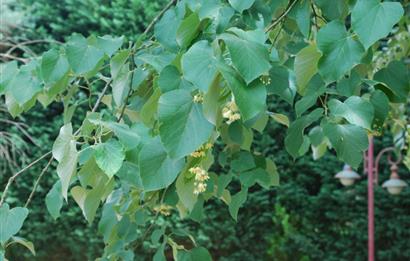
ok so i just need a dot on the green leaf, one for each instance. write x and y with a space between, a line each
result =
272 170
372 20
23 93
108 44
258 175
211 102
349 141
54 66
139 76
381 107
349 86
281 83
165 30
301 14
89 199
109 157
306 66
188 30
65 152
82 57
149 110
121 76
223 181
397 78
159 254
24 242
157 169
333 10
195 254
129 137
280 118
183 126
315 88
11 221
54 200
169 79
294 136
197 214
157 60
130 175
251 100
340 51
237 201
355 110
250 58
243 162
241 5
185 190
199 65
7 71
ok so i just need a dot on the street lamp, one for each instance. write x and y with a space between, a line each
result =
394 185
347 176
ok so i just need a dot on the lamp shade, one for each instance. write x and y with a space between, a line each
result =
394 185
347 176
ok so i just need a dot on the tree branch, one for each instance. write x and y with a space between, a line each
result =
12 178
12 57
38 182
97 103
283 15
19 45
155 20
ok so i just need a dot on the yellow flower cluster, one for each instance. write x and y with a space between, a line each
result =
201 176
163 209
231 112
265 79
201 151
199 98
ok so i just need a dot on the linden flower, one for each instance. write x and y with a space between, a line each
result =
199 98
201 151
199 188
233 117
230 112
226 112
209 146
163 209
265 79
198 154
201 176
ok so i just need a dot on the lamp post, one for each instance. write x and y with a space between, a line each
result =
371 167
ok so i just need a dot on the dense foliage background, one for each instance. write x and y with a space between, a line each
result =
309 217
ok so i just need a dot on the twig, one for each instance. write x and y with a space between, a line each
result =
38 182
285 13
155 20
19 45
12 57
151 226
12 178
97 103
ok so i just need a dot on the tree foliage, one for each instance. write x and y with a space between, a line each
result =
163 102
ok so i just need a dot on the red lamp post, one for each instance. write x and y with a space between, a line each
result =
371 167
